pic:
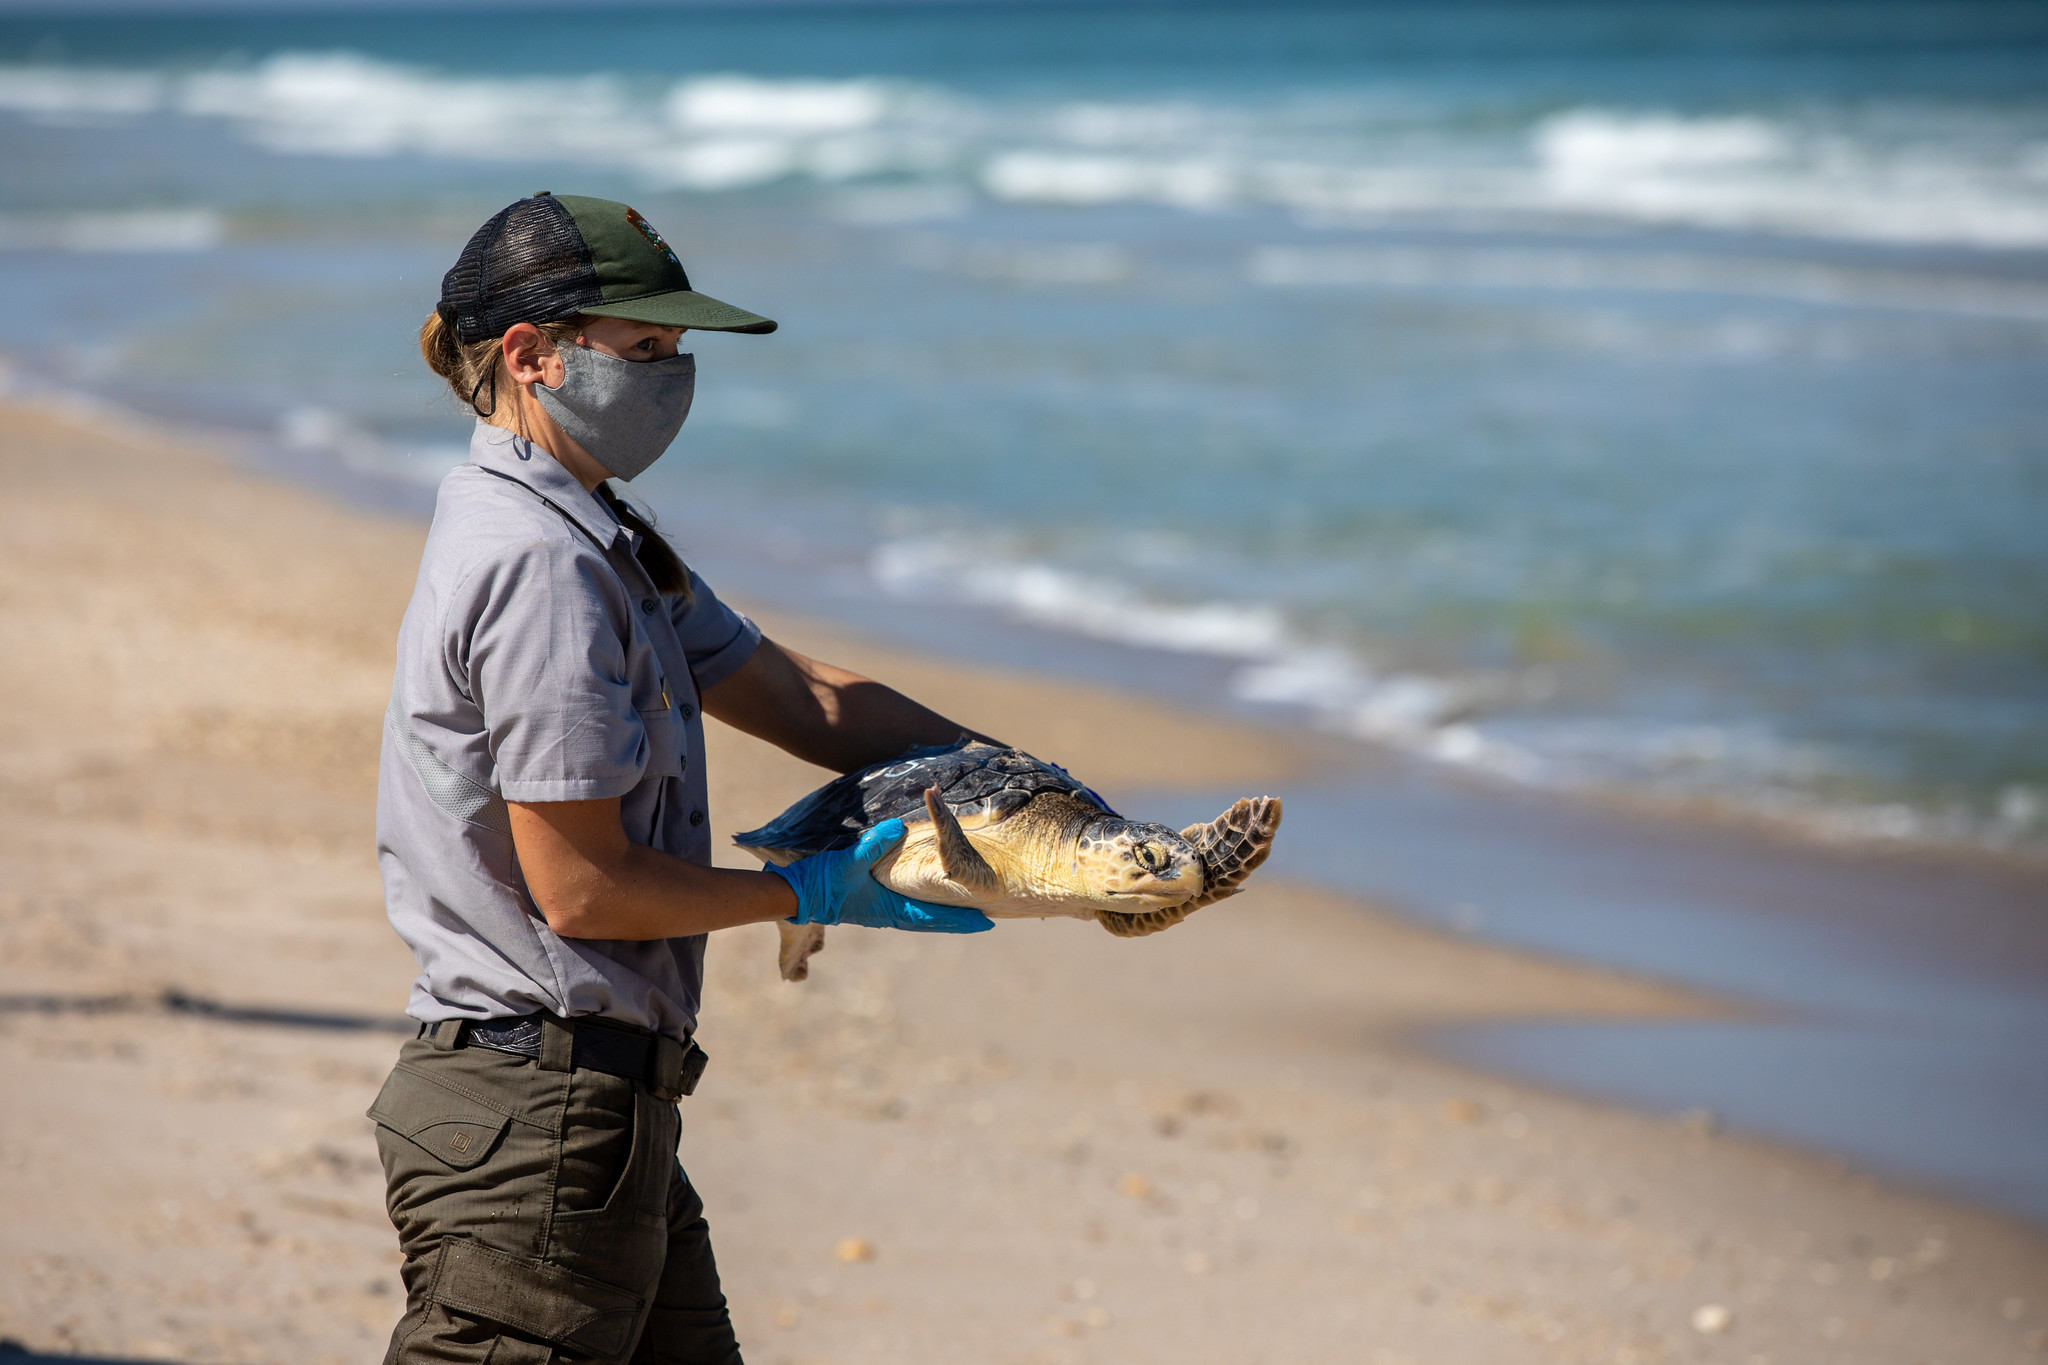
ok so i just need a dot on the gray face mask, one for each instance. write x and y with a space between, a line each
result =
623 412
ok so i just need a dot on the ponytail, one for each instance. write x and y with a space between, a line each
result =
671 577
471 367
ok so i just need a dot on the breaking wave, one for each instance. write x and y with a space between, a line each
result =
332 437
1494 724
1661 272
1048 596
145 230
1340 156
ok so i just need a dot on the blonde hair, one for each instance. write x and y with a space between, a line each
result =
472 367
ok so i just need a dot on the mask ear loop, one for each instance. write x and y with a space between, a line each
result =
490 375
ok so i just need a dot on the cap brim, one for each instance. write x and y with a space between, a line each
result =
683 308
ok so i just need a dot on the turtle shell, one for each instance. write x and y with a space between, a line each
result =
973 778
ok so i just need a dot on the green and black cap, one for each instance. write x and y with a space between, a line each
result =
556 255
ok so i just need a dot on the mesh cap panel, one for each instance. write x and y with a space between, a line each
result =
527 264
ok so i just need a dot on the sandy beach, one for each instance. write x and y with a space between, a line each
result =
1041 1144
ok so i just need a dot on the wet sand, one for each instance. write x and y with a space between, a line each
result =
1896 1000
1040 1144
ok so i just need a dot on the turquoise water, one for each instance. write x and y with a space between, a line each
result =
1637 398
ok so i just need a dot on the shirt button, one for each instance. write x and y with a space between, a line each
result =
688 710
647 605
696 818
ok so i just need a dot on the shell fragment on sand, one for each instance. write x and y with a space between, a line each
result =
1016 838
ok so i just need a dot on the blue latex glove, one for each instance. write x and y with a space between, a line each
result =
840 888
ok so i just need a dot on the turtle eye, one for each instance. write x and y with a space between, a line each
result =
1153 857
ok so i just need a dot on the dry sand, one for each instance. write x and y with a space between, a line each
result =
1040 1144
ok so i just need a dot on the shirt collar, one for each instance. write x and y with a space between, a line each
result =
512 456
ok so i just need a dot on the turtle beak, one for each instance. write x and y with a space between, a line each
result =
1164 890
1151 898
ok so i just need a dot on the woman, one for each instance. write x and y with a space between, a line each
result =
541 819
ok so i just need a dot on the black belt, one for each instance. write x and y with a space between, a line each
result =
666 1067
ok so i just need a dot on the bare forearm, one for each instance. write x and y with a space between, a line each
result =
650 895
870 722
824 714
645 894
591 882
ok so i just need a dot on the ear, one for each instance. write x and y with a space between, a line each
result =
530 358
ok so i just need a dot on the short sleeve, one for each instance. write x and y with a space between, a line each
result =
541 636
716 639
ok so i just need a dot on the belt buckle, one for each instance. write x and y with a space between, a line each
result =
676 1068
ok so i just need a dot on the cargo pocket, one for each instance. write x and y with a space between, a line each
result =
451 1127
535 1299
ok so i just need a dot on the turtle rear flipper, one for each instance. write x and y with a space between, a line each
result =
799 942
1231 848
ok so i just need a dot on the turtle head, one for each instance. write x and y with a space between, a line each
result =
1123 865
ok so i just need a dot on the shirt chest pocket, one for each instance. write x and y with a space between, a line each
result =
665 703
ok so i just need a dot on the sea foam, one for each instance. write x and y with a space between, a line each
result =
1496 724
1277 667
145 230
1719 274
1844 172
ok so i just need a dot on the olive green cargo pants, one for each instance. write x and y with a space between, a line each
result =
544 1217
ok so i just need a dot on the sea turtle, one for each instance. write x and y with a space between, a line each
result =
1016 838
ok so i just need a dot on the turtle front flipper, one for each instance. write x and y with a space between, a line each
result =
1233 845
1231 848
964 865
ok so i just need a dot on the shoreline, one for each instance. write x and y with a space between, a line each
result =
1060 1146
382 494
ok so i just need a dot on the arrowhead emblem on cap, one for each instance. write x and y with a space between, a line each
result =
647 231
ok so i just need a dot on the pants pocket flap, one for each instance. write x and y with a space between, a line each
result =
535 1298
458 1130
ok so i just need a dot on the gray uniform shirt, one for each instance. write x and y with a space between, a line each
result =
537 663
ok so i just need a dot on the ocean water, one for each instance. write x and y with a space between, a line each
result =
1887 1008
1636 398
